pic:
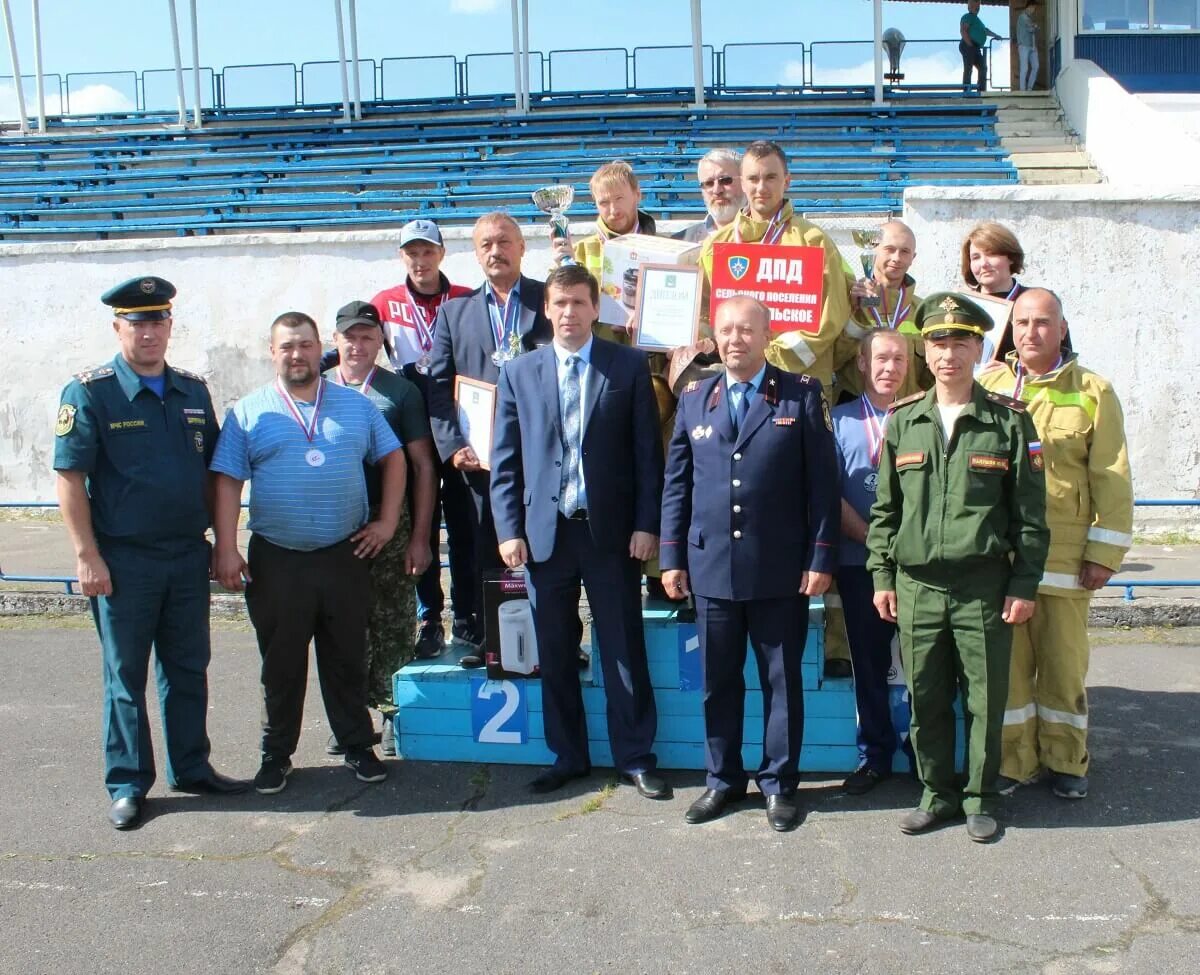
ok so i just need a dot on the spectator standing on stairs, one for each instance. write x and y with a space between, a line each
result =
974 36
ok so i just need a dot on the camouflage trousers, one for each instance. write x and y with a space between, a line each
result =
392 624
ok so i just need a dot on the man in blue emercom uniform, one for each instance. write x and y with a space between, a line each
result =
131 448
301 442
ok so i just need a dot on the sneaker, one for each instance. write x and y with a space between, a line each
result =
272 775
467 633
367 768
1006 786
431 640
387 743
862 780
1069 786
332 747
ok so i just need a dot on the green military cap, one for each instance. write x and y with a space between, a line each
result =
141 299
944 314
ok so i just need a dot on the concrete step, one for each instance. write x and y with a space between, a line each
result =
1006 129
1060 177
1050 160
1048 143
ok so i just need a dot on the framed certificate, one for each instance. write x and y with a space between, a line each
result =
999 310
667 310
475 406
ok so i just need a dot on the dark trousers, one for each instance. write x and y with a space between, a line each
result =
487 548
319 596
160 600
871 656
973 58
614 582
776 630
455 504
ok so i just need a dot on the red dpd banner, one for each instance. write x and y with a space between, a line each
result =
789 280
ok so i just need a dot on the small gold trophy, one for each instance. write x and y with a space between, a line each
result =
868 240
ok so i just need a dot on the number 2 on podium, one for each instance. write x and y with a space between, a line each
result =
492 731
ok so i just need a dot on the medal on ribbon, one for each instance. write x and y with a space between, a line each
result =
775 227
508 338
898 314
876 424
423 322
313 456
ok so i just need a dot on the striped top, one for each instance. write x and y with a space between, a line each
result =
292 503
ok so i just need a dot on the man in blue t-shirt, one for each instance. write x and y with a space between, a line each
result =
301 442
974 35
858 429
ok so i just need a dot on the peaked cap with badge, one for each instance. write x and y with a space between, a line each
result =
944 314
142 299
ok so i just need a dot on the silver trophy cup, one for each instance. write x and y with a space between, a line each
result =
868 240
554 200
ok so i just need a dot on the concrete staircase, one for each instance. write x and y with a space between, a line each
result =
1045 151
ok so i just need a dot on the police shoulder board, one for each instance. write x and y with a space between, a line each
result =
188 375
1013 404
98 372
907 401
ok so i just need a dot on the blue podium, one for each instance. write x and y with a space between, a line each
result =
448 714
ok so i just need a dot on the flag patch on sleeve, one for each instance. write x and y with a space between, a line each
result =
1036 460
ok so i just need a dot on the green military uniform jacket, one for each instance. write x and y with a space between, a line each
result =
951 515
146 458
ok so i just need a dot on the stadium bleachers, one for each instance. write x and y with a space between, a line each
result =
289 169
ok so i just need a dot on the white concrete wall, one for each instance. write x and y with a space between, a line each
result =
1126 262
1129 141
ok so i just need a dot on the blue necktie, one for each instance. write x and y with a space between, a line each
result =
569 487
743 404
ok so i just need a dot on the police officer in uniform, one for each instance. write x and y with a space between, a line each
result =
132 445
750 525
956 548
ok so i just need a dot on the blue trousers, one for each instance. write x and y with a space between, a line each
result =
871 656
614 588
776 630
160 600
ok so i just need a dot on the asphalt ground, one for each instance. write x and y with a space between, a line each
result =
456 868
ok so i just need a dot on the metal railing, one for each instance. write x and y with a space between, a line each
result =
69 582
732 68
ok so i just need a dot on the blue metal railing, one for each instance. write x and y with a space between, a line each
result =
1129 585
732 68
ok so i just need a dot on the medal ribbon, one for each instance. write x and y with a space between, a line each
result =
876 424
310 428
423 319
775 227
366 383
897 315
505 329
1020 386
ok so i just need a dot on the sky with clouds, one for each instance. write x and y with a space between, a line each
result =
130 35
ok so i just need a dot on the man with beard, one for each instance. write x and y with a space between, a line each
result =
719 176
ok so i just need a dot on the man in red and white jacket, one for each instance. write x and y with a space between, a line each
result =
408 312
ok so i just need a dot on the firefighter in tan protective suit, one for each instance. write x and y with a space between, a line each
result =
1089 510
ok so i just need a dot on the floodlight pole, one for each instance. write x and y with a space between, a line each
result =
181 103
16 65
197 121
37 66
697 55
518 89
878 59
341 35
355 84
525 86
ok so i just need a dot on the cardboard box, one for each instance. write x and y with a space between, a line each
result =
619 269
510 645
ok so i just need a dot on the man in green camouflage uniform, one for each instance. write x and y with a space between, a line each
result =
394 571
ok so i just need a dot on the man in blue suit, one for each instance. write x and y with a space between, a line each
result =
750 526
576 487
473 337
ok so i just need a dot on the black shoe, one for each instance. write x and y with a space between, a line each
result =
862 780
212 784
387 738
367 767
920 820
333 747
651 785
982 828
467 633
554 779
783 812
431 640
272 775
126 812
838 669
471 661
711 804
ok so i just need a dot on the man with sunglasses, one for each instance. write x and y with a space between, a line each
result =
720 186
